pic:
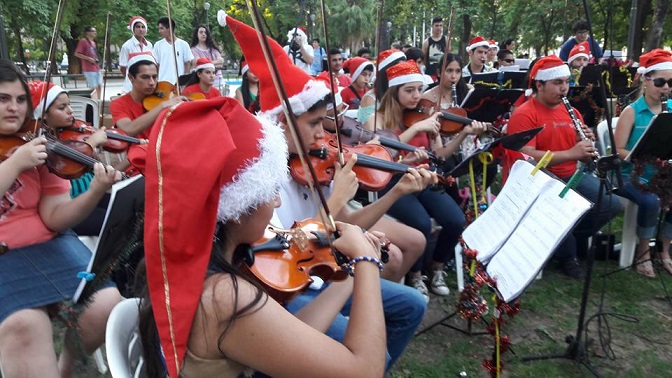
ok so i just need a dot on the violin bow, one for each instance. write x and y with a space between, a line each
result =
381 10
47 75
341 158
106 48
444 64
173 38
289 113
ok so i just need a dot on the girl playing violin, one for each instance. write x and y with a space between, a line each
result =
405 89
221 321
202 79
248 92
40 268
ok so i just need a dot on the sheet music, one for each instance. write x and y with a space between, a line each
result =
491 229
534 240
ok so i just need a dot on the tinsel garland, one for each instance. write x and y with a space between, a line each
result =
472 305
659 183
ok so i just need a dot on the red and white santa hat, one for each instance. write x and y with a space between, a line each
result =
404 73
581 50
40 89
203 63
493 45
478 41
357 65
137 57
654 60
238 165
302 89
387 57
135 19
549 68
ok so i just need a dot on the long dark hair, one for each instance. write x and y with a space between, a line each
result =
251 106
149 334
10 73
209 41
461 85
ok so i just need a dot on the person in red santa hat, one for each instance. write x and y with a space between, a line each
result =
403 306
369 103
549 80
137 43
40 257
491 56
656 70
211 320
477 49
202 79
361 72
578 58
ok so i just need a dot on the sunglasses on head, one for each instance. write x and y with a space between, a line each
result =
345 108
659 82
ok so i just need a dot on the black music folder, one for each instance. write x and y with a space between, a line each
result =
485 104
588 101
487 79
514 79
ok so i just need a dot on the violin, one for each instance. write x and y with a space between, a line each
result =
283 261
68 159
165 91
452 120
374 166
117 139
353 133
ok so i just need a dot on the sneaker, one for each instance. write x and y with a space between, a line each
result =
572 268
438 284
418 283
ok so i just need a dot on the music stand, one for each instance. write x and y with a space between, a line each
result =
487 79
485 104
588 101
127 199
590 74
656 141
517 79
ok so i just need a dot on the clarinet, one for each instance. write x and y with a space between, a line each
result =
454 90
579 129
663 103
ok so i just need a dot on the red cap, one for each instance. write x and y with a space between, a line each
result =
580 50
656 59
549 68
478 41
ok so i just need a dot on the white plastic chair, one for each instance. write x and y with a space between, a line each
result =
629 236
122 341
79 107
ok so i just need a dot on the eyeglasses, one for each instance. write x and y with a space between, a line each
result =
340 114
509 60
659 82
582 32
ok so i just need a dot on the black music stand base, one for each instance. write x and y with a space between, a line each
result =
469 331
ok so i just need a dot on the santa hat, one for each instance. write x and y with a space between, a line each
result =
478 41
39 89
356 66
137 57
238 165
493 45
549 68
388 57
203 63
580 50
302 89
654 60
300 30
135 19
403 73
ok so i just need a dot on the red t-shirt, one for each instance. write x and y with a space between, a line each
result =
194 88
126 107
349 96
20 221
88 48
419 140
558 133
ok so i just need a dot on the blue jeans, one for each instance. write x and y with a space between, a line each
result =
648 212
404 308
592 221
415 210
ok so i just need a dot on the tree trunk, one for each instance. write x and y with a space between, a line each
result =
22 55
643 9
466 37
655 37
74 66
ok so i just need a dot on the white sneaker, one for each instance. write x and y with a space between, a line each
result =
438 284
418 283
